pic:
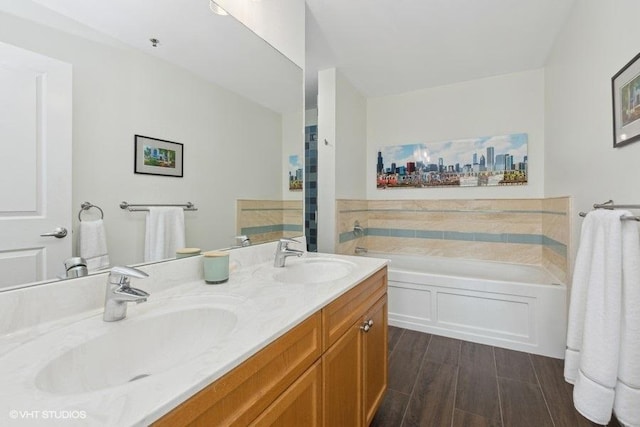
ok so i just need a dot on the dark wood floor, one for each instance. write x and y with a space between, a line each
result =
438 381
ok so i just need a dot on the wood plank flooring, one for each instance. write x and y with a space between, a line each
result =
441 382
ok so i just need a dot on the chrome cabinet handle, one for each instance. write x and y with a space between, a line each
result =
59 233
366 326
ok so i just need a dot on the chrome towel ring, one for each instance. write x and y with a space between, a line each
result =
85 206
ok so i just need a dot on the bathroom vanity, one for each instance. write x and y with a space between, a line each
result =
305 344
331 369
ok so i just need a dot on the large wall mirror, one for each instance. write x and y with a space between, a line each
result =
211 84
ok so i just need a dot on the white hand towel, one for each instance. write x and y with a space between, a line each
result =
164 233
627 400
92 244
593 336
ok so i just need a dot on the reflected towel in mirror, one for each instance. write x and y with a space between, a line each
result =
92 244
164 233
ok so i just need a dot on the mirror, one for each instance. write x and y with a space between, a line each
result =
211 84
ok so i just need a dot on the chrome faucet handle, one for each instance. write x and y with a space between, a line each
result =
119 293
287 240
120 275
283 251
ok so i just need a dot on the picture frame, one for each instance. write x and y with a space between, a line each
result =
487 161
154 156
625 91
296 173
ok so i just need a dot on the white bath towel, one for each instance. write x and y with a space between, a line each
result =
627 400
92 244
593 334
164 233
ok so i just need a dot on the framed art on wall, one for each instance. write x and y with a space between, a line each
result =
155 156
625 88
499 160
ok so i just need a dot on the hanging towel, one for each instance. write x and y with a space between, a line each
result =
627 400
164 233
593 334
92 244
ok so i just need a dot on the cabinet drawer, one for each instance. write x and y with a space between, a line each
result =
241 395
300 405
340 314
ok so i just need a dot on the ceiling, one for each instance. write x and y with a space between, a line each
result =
217 48
389 47
381 47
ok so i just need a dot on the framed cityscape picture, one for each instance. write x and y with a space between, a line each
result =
500 160
625 88
296 173
153 156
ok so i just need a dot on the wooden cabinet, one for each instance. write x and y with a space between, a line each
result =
375 355
355 362
329 370
342 380
299 405
240 396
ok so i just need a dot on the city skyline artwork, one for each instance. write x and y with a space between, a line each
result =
472 162
296 173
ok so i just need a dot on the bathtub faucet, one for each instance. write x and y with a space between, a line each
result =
360 250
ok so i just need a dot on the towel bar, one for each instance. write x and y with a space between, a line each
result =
145 206
610 205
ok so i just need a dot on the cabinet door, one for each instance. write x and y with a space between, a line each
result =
342 380
299 405
375 359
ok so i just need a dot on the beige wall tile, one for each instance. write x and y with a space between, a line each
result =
556 264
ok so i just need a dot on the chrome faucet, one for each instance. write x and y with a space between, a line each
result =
119 293
283 251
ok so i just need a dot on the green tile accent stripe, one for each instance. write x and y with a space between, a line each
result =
528 239
270 228
429 234
554 245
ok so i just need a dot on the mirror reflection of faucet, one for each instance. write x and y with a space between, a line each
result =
243 241
75 267
119 292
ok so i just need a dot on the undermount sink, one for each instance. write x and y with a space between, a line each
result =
136 348
314 270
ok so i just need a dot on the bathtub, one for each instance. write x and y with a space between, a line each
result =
519 307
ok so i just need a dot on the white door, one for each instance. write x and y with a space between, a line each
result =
35 165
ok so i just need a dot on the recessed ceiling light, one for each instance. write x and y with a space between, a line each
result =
215 8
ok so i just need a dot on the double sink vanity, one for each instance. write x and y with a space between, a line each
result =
304 344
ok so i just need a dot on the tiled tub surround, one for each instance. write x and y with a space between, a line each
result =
269 220
31 313
523 231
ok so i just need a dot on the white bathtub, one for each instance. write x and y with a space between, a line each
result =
520 307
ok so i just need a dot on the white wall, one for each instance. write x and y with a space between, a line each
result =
326 160
500 105
280 22
597 41
311 117
292 144
351 140
230 143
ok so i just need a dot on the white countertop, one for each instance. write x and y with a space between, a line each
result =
266 309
